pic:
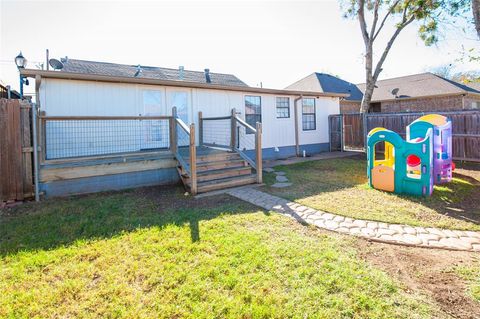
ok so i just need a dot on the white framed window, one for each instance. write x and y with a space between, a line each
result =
309 122
283 107
475 104
253 110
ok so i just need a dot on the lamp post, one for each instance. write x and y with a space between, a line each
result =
21 62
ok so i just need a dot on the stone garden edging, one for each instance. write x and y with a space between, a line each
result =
376 231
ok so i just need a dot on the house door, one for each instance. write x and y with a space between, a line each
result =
154 132
180 99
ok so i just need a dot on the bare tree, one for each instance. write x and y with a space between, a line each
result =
400 14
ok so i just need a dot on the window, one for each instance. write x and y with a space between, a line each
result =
253 110
283 107
308 115
475 104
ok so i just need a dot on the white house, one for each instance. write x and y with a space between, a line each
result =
292 121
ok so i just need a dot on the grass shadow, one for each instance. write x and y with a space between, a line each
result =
59 222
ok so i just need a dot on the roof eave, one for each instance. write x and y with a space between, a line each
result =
119 79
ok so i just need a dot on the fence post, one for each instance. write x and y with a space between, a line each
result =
233 129
258 150
365 132
173 131
193 161
200 128
35 151
342 134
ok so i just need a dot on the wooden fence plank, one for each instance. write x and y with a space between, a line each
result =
465 129
15 150
27 148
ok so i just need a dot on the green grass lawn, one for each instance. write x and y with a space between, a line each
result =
149 254
472 275
340 186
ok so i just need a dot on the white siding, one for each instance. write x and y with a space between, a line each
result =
87 98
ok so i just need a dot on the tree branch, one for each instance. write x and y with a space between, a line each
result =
385 19
375 18
363 23
378 68
476 15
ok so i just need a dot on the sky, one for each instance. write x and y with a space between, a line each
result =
273 43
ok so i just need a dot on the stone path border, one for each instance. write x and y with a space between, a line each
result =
375 231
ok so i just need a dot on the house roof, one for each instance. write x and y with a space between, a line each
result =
474 85
40 74
147 72
330 83
417 85
322 82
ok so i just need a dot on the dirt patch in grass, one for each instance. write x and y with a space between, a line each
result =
429 271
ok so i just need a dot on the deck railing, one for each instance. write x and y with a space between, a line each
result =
65 137
185 149
233 133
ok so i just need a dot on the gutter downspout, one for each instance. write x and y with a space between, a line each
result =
297 137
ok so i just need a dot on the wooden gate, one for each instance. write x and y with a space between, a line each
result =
353 132
15 150
335 128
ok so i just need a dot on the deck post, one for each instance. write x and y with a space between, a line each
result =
173 131
193 161
42 135
233 129
258 150
200 128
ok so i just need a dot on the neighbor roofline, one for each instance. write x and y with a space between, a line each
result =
424 97
122 79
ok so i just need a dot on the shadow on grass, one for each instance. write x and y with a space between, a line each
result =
457 199
58 222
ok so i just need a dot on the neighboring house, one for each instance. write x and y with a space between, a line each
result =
321 82
412 93
293 121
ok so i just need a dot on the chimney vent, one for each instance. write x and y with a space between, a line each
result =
207 76
180 72
139 71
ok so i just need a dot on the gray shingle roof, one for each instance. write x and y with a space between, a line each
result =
330 83
417 85
147 72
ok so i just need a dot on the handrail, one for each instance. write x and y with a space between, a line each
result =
216 118
191 166
257 131
85 118
183 125
245 124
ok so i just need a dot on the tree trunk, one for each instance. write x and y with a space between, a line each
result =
367 95
476 15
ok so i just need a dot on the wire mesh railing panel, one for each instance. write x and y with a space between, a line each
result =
245 142
183 147
217 132
80 138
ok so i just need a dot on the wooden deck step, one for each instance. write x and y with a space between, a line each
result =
216 170
226 156
207 166
220 173
226 183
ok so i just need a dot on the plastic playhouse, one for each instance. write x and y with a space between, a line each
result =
414 165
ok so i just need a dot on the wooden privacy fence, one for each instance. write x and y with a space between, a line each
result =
347 130
15 150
